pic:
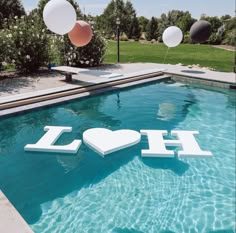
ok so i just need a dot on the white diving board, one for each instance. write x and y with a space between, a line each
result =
69 69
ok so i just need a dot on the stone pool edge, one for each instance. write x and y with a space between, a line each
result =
12 107
10 220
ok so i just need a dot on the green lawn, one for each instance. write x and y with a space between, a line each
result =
187 54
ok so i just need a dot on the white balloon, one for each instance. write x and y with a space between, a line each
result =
59 16
172 36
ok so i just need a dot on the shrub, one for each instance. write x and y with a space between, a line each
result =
9 9
1 49
159 39
56 52
6 47
27 44
187 39
123 37
89 55
142 37
215 39
113 36
93 53
230 38
153 41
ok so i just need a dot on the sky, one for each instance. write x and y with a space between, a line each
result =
149 8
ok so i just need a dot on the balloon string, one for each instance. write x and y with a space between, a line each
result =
166 55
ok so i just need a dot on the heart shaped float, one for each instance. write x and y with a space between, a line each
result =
105 141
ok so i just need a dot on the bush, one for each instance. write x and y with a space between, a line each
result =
142 37
1 50
89 55
123 37
26 44
56 46
6 47
9 9
230 38
187 39
159 39
215 39
93 54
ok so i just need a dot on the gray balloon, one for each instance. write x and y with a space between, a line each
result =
200 31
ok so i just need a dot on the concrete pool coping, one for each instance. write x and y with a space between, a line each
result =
86 85
10 220
96 81
81 82
66 96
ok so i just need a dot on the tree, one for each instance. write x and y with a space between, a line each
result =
163 23
229 31
185 22
225 18
181 19
42 4
10 9
116 9
129 16
107 21
151 32
214 21
230 24
143 22
135 29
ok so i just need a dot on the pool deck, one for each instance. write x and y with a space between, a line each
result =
98 80
10 220
24 85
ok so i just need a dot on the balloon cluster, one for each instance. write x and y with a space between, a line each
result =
199 32
60 18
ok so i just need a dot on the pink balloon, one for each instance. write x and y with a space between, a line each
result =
81 34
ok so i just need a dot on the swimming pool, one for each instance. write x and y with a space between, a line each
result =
124 192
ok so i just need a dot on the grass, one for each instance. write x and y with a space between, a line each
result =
187 54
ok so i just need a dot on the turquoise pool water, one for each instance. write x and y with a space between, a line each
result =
124 192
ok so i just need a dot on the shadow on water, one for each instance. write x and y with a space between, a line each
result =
221 231
30 179
167 231
177 166
126 230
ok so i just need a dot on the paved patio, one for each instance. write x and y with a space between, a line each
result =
54 79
